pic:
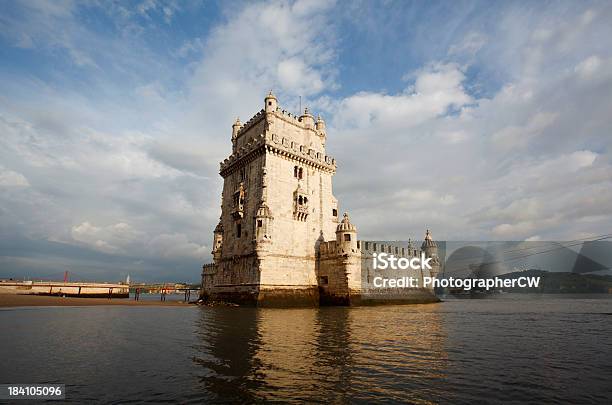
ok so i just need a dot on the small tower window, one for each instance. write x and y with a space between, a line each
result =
269 103
295 171
300 173
335 212
238 230
259 223
347 237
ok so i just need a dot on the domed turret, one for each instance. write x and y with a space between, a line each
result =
320 126
428 242
346 235
236 127
307 119
430 248
270 102
345 225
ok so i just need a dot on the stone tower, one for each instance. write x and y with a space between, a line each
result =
265 245
279 240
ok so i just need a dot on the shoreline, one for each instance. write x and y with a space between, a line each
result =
16 300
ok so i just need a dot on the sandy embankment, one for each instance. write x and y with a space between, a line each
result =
13 300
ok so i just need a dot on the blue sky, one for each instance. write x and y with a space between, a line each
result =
479 120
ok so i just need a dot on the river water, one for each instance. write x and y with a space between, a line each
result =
514 348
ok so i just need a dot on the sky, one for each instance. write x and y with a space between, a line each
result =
477 120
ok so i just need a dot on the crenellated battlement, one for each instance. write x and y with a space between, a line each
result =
299 121
280 146
370 247
251 122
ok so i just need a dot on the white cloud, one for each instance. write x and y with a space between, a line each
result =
295 76
122 238
177 246
470 44
264 46
589 67
10 178
520 136
436 89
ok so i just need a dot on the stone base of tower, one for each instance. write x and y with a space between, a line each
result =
310 296
263 296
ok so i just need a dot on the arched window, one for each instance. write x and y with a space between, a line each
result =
295 171
300 173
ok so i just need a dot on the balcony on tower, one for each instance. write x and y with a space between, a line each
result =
238 200
300 205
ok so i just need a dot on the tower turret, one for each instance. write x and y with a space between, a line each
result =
236 127
320 126
430 248
307 119
270 102
346 235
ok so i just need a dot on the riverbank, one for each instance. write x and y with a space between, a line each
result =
13 300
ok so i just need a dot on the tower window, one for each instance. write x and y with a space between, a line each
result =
295 171
238 230
300 173
269 103
347 237
259 223
335 212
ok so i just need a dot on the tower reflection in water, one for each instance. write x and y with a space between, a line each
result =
326 354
